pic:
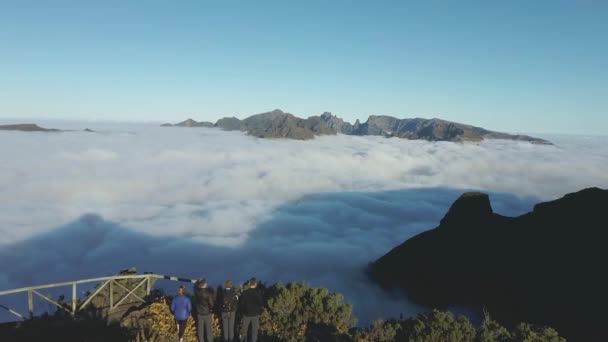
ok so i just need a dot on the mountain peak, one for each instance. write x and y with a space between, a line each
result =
470 206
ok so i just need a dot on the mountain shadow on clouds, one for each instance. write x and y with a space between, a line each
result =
326 239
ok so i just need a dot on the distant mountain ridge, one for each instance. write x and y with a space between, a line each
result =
279 124
30 127
27 128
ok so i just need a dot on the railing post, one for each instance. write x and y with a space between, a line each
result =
111 295
148 286
73 299
30 302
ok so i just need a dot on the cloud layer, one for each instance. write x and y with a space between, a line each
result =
325 239
203 201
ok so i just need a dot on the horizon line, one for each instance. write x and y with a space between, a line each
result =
32 120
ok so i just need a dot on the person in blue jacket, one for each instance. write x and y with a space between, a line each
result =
181 306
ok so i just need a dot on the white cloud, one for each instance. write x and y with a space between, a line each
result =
91 155
192 201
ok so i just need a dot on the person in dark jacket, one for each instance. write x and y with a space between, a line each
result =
204 307
251 307
229 302
181 308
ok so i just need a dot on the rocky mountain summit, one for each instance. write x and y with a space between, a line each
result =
279 124
546 266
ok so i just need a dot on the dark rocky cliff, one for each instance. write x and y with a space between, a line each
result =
547 266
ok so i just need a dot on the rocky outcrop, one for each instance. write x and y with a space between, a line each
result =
229 124
545 267
277 124
336 124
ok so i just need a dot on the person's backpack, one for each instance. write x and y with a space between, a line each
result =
230 300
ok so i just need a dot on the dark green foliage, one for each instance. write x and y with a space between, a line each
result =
529 333
64 328
442 326
491 331
439 326
325 333
379 331
296 310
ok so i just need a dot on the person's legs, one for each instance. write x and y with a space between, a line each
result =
226 325
209 327
231 318
244 328
200 327
255 325
181 328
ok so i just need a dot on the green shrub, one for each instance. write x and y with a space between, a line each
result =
295 309
440 326
491 331
379 331
529 333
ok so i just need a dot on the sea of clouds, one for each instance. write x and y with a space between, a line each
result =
205 202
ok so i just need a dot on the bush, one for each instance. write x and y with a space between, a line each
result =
379 331
530 333
294 311
161 326
491 331
444 326
439 326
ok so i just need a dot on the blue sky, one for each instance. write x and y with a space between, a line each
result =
517 66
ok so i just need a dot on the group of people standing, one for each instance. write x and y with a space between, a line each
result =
249 304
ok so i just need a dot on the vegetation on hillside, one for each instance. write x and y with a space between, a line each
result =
294 312
439 326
